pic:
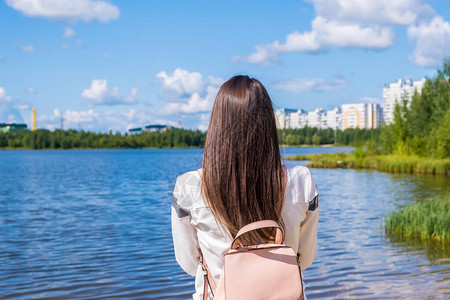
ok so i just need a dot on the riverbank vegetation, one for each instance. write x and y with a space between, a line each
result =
392 163
425 219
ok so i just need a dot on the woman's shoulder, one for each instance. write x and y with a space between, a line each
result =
191 178
187 191
300 186
297 174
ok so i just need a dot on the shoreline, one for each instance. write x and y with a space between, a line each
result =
58 149
383 163
191 147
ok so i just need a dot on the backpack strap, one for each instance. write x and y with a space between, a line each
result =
208 280
259 225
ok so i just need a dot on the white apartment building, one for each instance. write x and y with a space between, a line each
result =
357 115
298 119
317 118
334 118
361 115
377 115
291 118
394 93
286 118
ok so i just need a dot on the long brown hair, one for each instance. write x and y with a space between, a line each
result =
243 176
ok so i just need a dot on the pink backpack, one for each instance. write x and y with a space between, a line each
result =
264 271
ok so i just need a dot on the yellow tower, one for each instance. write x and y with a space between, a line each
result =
33 122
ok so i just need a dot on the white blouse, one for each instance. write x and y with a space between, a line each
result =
194 228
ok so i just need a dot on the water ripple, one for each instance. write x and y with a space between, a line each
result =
95 224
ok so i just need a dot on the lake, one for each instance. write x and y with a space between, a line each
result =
95 224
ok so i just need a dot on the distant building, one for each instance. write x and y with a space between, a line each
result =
12 127
317 118
150 128
395 92
298 119
361 115
377 115
287 118
334 118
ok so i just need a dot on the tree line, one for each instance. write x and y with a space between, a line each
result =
422 127
171 138
315 136
73 139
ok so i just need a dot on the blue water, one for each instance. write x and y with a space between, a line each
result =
95 224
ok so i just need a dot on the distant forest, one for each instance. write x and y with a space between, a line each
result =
172 138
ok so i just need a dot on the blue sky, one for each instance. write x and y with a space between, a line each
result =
113 65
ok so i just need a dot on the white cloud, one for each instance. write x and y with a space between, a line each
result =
351 24
73 40
100 94
78 117
87 120
380 12
324 34
99 121
264 55
27 48
131 98
204 120
181 82
432 42
300 85
8 112
202 127
4 96
67 10
69 32
31 91
77 43
24 106
195 103
188 92
1 58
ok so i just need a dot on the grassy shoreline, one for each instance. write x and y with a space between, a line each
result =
426 220
385 163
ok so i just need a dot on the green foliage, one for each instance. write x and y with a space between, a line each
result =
173 138
316 139
386 163
315 136
425 219
72 139
422 127
359 154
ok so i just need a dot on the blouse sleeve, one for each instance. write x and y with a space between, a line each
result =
308 227
185 242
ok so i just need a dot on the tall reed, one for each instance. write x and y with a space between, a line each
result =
424 219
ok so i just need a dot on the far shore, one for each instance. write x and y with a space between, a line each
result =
192 147
22 148
314 146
